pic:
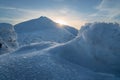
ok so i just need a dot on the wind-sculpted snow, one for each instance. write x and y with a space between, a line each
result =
35 47
7 38
97 47
88 57
43 29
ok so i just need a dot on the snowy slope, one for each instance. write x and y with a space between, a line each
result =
7 38
41 29
97 47
88 57
42 66
71 29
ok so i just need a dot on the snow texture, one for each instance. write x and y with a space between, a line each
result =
92 55
71 29
96 47
7 38
42 29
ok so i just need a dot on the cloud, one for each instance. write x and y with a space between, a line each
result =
109 5
14 8
17 15
10 8
108 10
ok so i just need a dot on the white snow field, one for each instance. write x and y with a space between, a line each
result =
43 29
93 55
7 38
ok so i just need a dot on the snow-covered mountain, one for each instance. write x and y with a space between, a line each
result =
43 29
92 55
7 38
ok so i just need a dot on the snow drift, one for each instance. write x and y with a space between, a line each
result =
92 55
43 29
7 38
97 47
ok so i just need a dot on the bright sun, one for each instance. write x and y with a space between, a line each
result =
62 22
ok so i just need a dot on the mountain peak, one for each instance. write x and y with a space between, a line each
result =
44 18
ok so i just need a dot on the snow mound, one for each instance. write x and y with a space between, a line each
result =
43 65
7 38
96 47
87 57
41 29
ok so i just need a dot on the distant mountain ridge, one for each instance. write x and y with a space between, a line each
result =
42 23
43 29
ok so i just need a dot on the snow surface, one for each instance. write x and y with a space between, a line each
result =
7 38
71 29
43 29
97 47
92 55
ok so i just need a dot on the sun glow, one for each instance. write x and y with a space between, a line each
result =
62 22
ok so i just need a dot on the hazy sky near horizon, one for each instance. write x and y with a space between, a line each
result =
73 12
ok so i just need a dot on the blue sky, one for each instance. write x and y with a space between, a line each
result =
73 12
